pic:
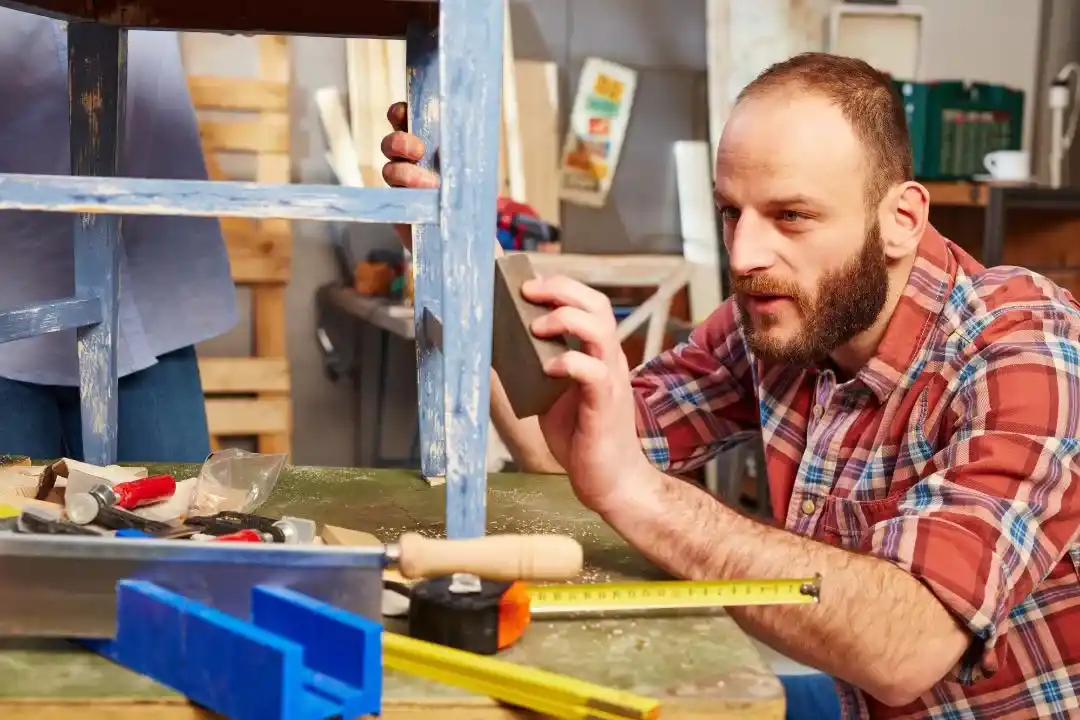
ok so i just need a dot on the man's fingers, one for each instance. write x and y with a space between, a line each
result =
406 175
569 320
561 290
398 116
584 369
400 145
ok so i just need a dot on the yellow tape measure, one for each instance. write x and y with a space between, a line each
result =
624 597
542 691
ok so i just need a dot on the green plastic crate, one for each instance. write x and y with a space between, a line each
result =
953 125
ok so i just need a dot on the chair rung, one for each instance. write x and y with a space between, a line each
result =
46 317
203 198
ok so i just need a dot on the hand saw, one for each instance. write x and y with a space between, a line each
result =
65 585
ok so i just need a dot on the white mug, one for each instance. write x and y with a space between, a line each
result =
1008 165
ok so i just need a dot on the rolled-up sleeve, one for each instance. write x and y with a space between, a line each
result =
999 506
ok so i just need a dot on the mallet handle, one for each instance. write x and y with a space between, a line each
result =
494 557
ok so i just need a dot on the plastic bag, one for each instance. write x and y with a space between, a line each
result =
235 480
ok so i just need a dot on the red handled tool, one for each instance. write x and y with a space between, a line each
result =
83 508
289 530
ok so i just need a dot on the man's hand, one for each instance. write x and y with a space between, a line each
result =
403 151
591 430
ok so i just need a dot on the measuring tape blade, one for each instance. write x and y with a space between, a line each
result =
620 597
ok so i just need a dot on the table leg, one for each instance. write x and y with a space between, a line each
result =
470 86
422 57
994 228
97 90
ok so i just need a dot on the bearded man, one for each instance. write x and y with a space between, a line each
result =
920 416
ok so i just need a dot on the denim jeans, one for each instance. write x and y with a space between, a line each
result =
162 415
811 696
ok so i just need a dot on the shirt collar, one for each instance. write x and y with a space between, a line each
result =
928 286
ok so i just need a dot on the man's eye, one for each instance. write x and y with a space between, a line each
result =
729 213
791 216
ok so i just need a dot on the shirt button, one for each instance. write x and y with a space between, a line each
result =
808 506
817 412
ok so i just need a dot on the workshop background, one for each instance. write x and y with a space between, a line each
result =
664 48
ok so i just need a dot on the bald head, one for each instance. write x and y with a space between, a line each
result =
795 145
863 96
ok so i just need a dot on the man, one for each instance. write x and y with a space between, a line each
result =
920 415
175 286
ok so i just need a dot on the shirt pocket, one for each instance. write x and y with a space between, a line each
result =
848 521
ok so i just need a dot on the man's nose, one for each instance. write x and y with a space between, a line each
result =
749 247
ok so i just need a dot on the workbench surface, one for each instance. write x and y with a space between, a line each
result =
699 667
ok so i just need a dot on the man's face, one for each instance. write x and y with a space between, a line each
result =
807 261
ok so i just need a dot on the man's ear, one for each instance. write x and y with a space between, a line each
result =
903 216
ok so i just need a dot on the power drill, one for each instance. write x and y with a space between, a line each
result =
519 227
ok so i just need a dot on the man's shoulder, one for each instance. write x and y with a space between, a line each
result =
989 304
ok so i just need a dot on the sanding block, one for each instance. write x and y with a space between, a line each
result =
518 356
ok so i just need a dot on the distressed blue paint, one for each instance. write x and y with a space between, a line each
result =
97 88
422 57
470 87
205 198
46 317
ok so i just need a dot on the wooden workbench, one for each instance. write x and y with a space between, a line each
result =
700 667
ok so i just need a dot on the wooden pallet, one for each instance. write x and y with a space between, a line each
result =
251 396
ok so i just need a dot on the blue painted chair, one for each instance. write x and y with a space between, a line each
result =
454 57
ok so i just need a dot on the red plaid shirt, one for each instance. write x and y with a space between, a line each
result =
954 454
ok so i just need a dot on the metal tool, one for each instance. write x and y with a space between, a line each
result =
61 585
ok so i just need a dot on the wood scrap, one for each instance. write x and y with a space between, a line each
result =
515 155
538 123
518 356
697 218
334 535
343 158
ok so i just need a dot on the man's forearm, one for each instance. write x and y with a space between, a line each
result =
875 626
522 437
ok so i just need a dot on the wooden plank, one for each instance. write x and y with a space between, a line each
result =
49 316
718 63
697 218
957 194
342 153
539 122
230 375
422 60
511 124
268 301
256 257
242 417
608 270
469 139
245 94
268 134
97 78
473 708
374 18
203 198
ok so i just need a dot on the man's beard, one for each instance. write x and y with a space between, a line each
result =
847 302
